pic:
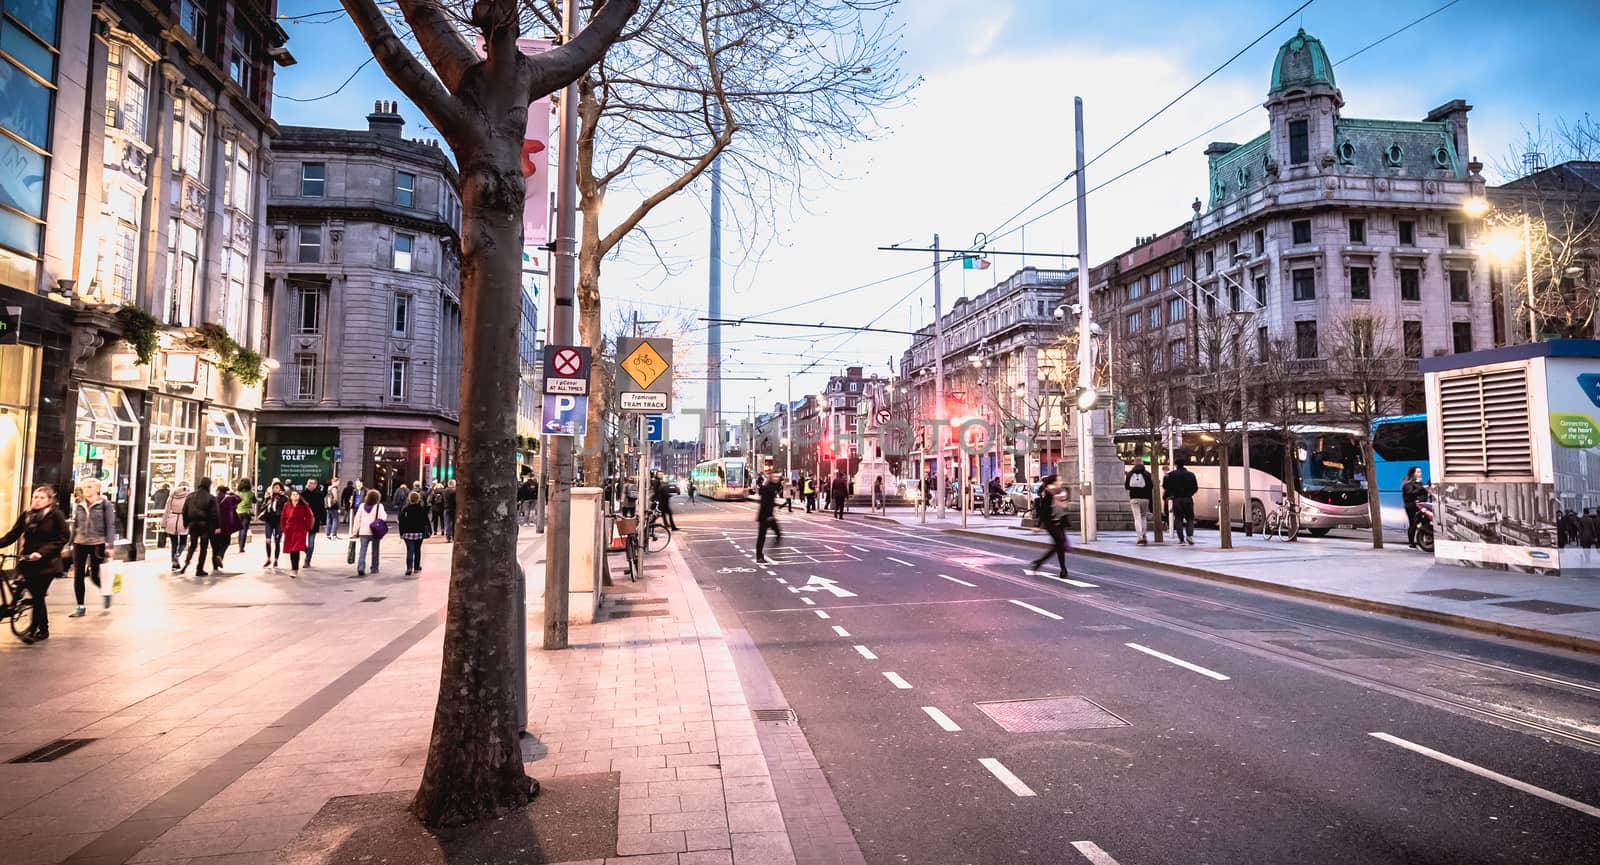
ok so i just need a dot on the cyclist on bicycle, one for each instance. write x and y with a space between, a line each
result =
43 532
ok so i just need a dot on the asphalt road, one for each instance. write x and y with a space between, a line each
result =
1202 723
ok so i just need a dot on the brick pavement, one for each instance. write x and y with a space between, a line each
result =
226 712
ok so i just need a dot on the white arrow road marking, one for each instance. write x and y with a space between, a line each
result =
840 631
1179 661
1012 782
900 561
865 652
1492 775
898 682
823 584
1079 583
942 720
1043 612
1093 853
962 582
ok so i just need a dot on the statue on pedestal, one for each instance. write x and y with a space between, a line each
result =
872 414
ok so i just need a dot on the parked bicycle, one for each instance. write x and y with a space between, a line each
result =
16 603
1284 521
656 533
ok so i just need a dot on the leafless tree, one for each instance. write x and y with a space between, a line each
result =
1221 355
479 104
1276 381
769 89
1562 235
1145 381
1564 140
1368 362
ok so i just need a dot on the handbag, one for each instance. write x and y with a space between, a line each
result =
350 555
378 528
110 577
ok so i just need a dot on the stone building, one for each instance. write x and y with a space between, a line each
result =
1144 301
363 305
133 137
1325 216
1562 203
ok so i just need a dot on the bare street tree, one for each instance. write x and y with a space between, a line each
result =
1367 360
1220 358
480 107
1146 382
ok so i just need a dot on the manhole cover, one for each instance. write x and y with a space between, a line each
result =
1549 608
1337 650
1049 714
1461 594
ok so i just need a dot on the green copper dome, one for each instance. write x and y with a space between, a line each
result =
1302 62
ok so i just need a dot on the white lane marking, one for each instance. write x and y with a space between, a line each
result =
823 584
795 590
1179 661
1071 582
829 549
782 580
900 561
962 582
898 682
942 720
808 602
865 652
840 631
861 549
822 614
1043 612
1012 782
1093 853
1492 775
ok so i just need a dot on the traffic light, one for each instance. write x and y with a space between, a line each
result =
427 453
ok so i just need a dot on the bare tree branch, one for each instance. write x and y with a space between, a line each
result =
407 72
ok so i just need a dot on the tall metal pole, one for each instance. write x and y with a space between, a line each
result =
938 377
564 287
1085 350
788 430
714 330
1527 266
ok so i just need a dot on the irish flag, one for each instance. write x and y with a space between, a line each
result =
974 262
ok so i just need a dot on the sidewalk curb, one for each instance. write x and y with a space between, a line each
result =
1485 626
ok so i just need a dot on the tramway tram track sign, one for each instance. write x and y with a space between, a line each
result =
645 382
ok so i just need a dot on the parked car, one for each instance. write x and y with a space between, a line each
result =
1021 497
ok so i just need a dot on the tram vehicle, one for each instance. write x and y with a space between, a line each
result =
1328 474
724 479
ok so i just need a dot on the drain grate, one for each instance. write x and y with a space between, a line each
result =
780 716
1548 608
51 752
373 599
1461 594
1049 715
1337 650
638 614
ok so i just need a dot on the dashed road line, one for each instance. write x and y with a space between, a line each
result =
1071 582
900 561
897 681
822 614
962 582
865 652
1041 611
942 720
860 549
1012 782
840 631
1093 853
1178 661
794 590
782 580
808 602
1492 775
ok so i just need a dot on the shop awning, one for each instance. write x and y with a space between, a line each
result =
225 431
105 417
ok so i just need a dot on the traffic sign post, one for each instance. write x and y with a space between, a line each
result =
566 369
564 415
645 374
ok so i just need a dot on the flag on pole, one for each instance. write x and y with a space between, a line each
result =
974 262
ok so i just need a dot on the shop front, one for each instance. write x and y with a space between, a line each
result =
106 448
18 370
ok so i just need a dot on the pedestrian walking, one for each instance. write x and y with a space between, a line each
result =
691 490
837 493
1141 493
94 532
414 530
1588 529
42 530
436 509
312 497
1050 509
1571 527
330 509
789 492
1412 493
297 525
450 510
244 509
663 500
527 493
349 497
766 517
200 516
1179 488
158 503
172 523
271 513
369 524
877 494
808 488
228 525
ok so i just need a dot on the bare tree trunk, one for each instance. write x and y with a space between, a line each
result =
1225 516
474 759
1374 506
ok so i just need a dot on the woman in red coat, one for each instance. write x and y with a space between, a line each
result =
295 523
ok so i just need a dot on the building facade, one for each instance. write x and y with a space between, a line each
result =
1147 304
364 307
1561 204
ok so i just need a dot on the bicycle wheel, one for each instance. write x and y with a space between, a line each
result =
658 538
21 612
1291 525
1272 523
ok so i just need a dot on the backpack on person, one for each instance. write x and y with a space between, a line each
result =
1136 481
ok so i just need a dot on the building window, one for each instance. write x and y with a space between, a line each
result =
1360 283
1233 297
1302 231
310 244
1135 288
1175 310
1299 142
403 244
193 19
127 91
1261 292
126 242
241 51
1305 284
240 190
1261 241
1410 283
397 380
1455 234
1155 317
401 326
1133 323
1308 403
1175 274
1408 232
306 376
1233 251
1461 336
1358 231
1175 354
405 188
1411 335
313 178
1305 339
1211 261
310 303
1263 344
1460 287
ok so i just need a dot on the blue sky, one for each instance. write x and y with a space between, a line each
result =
991 128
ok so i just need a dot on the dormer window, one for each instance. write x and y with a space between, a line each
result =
1244 177
1393 156
1347 153
1219 189
1441 157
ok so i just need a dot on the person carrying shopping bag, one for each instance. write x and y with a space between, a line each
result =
94 532
295 524
369 524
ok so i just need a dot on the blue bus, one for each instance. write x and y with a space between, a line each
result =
1398 443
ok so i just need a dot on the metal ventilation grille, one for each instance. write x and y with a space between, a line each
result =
1484 426
781 716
